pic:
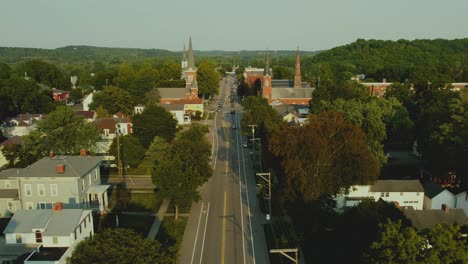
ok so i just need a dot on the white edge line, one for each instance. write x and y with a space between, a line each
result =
204 232
196 236
248 201
240 193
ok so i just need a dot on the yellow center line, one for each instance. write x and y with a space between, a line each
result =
223 241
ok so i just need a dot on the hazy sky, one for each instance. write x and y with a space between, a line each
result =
226 25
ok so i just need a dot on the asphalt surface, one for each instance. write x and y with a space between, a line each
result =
226 225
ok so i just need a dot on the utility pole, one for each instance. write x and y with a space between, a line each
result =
253 143
267 177
287 250
119 161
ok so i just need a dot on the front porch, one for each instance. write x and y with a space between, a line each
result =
97 197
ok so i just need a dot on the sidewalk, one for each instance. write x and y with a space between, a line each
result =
158 220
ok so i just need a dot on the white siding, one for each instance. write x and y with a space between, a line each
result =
437 201
462 202
29 238
63 241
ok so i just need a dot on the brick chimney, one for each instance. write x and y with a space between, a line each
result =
384 80
51 154
83 152
58 206
60 168
445 208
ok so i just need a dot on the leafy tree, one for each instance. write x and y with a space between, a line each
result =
397 244
399 126
146 79
154 121
44 73
259 112
156 151
187 167
170 70
442 129
131 150
447 245
281 72
113 99
61 132
101 112
75 95
208 79
21 96
125 77
120 246
366 115
323 157
12 154
5 71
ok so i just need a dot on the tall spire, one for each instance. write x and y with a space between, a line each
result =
191 60
297 71
266 71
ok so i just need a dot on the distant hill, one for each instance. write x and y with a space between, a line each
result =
418 61
86 54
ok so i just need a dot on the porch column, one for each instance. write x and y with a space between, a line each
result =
101 207
106 202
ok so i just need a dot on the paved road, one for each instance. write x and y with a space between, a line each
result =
226 225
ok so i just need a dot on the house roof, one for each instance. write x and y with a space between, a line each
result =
190 101
54 223
286 83
5 174
14 140
431 189
422 219
105 123
86 114
397 186
172 93
8 193
173 107
288 92
75 166
65 221
24 221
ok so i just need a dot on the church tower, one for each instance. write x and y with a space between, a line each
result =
184 64
191 72
297 71
266 82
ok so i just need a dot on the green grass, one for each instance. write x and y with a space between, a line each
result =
139 223
144 202
171 232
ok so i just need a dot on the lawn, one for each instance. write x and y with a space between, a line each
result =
171 232
138 223
144 202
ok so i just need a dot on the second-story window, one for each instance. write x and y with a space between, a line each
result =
28 189
90 179
82 185
40 189
95 174
53 189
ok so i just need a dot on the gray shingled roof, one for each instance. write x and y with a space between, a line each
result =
64 222
281 83
75 166
8 193
24 221
397 186
54 223
291 93
173 92
432 189
5 174
173 107
422 219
